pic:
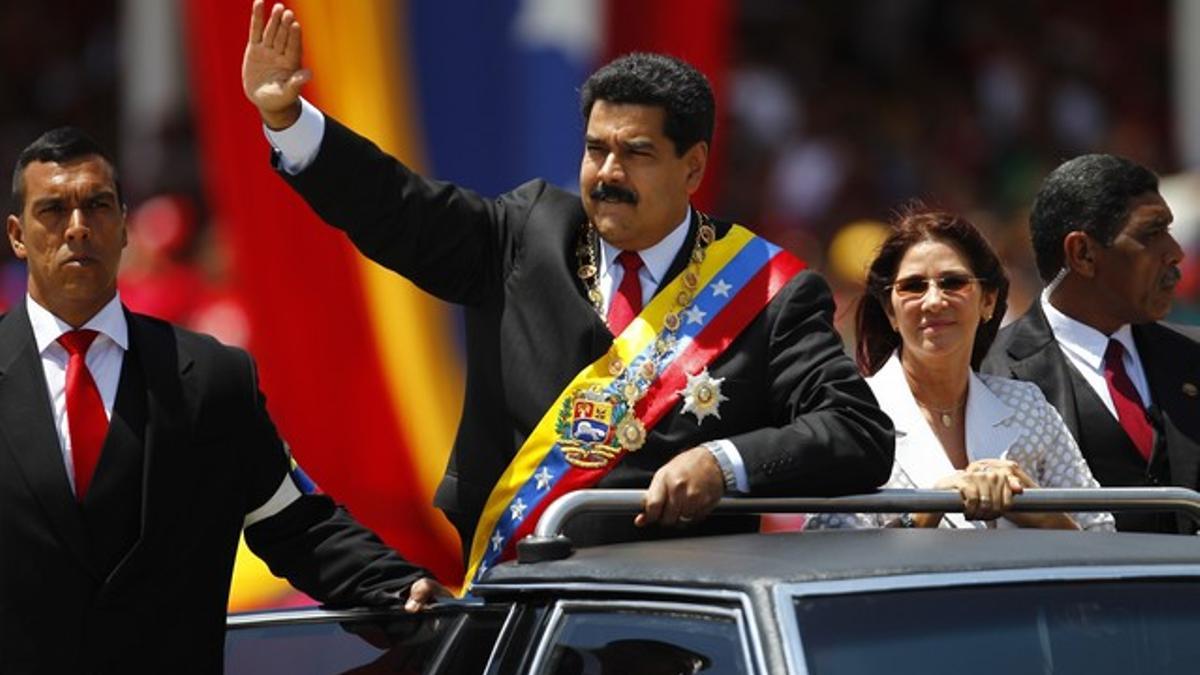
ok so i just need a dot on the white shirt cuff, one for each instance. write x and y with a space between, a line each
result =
298 144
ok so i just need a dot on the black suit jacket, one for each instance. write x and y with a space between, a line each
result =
798 412
136 579
1027 350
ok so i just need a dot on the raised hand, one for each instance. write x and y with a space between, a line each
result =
271 72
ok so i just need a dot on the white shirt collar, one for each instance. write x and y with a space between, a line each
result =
1083 341
656 259
47 328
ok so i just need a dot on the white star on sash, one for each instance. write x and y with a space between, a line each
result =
543 478
496 541
695 315
518 509
721 289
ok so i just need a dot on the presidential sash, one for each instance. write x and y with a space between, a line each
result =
610 406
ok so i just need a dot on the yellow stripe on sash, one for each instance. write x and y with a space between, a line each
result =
636 337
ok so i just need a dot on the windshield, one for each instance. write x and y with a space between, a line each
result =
1126 627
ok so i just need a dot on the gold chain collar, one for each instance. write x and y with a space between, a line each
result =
589 270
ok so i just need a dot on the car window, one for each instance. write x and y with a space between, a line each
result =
432 642
644 640
1127 627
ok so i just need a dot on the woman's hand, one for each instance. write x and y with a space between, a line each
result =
987 487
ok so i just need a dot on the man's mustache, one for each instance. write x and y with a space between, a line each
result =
605 192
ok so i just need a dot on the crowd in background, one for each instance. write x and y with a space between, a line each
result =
836 114
839 113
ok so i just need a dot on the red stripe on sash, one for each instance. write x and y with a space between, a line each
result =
660 397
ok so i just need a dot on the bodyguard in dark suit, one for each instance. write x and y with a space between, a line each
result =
132 455
1125 383
539 271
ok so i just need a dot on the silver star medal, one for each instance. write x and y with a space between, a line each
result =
702 395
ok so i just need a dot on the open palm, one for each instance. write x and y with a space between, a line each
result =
271 72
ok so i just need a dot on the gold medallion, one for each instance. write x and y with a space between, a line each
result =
587 271
707 233
671 321
631 433
684 298
690 280
631 392
616 366
649 370
665 344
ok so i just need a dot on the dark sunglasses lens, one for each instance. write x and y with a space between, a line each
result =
953 282
912 286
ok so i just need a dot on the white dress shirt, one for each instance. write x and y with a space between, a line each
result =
1084 347
104 359
299 144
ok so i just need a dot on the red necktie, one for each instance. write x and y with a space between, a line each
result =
86 420
1130 411
627 303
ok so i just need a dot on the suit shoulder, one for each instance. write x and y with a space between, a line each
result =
1184 335
541 194
202 347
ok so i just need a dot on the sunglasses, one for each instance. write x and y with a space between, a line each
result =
915 287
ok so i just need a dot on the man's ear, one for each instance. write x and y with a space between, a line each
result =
16 238
1079 254
696 159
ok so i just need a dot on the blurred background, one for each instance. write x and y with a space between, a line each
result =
832 115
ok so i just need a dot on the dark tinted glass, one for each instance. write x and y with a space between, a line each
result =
1129 628
947 283
646 643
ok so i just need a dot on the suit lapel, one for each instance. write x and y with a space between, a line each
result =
919 454
164 483
27 432
684 255
990 431
1175 415
1036 357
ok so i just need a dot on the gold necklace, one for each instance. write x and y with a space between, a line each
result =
946 414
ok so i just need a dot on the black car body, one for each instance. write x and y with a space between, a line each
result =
868 601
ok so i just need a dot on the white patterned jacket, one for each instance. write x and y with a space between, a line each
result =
1005 419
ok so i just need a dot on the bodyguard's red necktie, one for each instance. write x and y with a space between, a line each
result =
86 420
1130 411
627 302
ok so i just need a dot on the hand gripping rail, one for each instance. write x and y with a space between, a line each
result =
548 543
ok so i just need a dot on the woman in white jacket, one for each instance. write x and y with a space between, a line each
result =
935 297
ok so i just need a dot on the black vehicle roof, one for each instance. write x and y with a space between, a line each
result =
755 560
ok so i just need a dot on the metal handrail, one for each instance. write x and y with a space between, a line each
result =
553 520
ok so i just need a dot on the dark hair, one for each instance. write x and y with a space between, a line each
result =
876 339
59 146
1090 193
655 79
